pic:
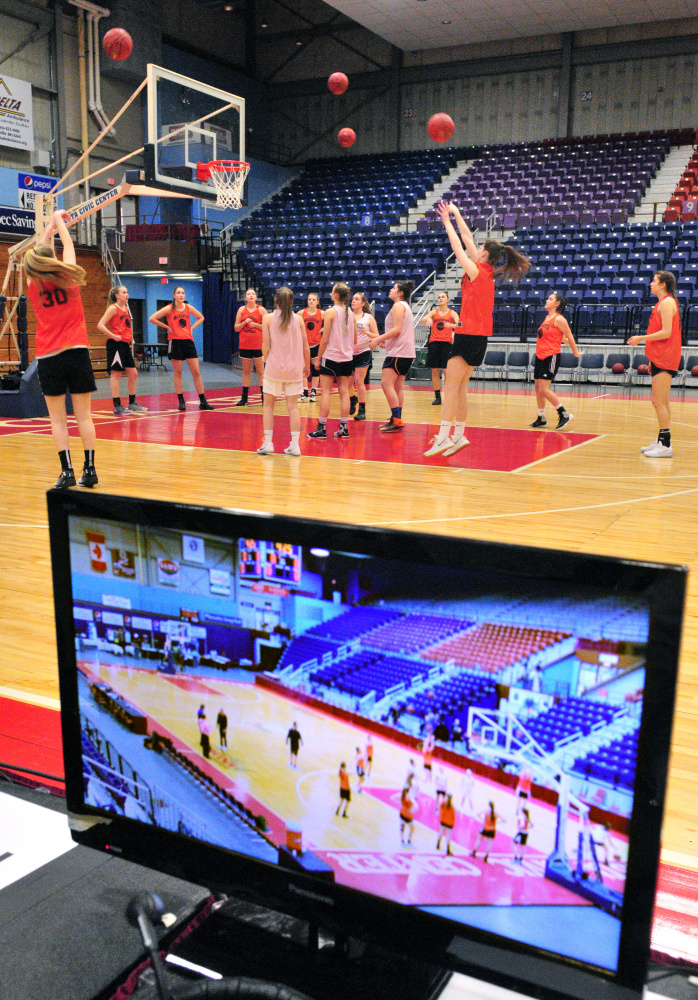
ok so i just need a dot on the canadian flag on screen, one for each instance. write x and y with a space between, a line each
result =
98 552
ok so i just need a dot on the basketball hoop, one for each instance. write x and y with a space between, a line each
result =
228 178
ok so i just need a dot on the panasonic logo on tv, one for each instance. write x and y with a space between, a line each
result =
299 891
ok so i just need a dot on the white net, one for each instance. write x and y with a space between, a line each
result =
228 178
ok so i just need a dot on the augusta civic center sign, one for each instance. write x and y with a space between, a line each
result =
16 113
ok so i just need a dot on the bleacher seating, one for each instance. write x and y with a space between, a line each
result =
492 647
368 671
414 632
303 649
94 763
451 698
614 764
573 715
352 624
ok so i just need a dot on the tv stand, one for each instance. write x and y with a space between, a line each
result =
242 938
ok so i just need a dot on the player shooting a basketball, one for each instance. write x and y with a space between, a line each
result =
62 346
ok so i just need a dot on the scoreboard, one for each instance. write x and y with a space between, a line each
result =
274 562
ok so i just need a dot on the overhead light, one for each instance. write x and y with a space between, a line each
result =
228 6
299 43
445 22
264 26
320 553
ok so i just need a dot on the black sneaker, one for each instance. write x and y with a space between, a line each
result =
563 420
319 432
88 477
436 401
540 422
312 395
205 405
66 479
181 405
241 402
361 415
353 403
342 432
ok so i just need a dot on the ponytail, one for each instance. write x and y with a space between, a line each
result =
406 287
342 290
515 264
283 300
113 291
668 280
41 264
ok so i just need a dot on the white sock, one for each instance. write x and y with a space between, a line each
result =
295 438
541 413
458 430
444 430
267 437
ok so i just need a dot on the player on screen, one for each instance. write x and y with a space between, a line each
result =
523 788
487 832
408 808
294 740
428 757
369 755
344 791
359 766
467 783
447 821
523 825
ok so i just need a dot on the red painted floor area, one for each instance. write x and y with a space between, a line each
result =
228 428
30 736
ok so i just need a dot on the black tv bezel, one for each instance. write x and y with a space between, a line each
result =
479 953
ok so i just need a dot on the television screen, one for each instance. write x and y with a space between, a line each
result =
456 729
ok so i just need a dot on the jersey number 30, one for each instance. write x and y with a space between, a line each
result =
54 297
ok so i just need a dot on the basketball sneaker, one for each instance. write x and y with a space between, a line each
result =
353 403
304 397
181 406
242 401
458 443
121 411
438 445
659 451
66 479
88 477
137 408
312 395
205 405
563 420
319 432
649 447
394 425
292 449
342 432
361 415
266 449
539 422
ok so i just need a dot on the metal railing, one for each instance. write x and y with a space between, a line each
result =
111 244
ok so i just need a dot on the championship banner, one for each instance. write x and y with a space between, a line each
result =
16 113
98 553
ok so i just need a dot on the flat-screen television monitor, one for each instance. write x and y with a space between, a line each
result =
456 747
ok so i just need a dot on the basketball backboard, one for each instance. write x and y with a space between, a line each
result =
188 123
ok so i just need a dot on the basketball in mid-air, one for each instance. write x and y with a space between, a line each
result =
117 44
643 369
338 83
440 127
346 137
694 371
618 368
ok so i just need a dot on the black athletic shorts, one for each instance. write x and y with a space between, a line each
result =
69 371
119 356
345 793
362 360
336 369
248 352
313 353
399 365
438 353
521 838
471 349
486 833
181 350
359 772
546 367
655 371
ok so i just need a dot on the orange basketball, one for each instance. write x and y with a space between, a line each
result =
338 83
440 127
643 369
117 44
346 137
618 368
694 371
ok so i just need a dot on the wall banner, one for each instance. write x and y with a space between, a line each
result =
16 113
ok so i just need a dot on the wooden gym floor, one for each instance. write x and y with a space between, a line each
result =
587 490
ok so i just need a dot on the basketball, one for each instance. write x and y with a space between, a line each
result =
694 371
117 44
338 83
643 369
618 368
346 137
440 127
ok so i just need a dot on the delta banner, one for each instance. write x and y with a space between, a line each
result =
16 113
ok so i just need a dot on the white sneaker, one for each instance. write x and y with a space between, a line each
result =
458 443
266 449
649 447
659 451
438 445
292 449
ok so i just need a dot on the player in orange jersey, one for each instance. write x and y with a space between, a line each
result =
447 821
116 326
62 346
248 325
180 343
441 321
551 333
344 791
312 320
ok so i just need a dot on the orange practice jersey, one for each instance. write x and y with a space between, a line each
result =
477 303
664 353
250 339
549 340
313 326
60 320
442 327
179 324
447 815
343 780
120 324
